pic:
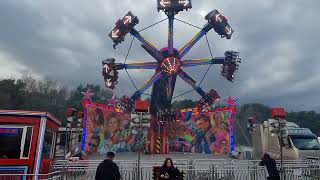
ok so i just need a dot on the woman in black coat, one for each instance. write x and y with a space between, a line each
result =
271 166
168 171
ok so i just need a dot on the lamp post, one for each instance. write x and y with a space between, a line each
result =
142 108
279 127
71 112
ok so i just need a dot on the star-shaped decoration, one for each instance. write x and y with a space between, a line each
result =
87 94
230 101
112 102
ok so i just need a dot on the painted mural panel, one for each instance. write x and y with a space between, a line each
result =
208 133
110 130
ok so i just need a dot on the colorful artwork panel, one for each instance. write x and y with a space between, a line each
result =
209 133
110 130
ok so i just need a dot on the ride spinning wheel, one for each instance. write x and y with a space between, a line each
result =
169 60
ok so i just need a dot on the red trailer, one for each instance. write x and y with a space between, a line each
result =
27 141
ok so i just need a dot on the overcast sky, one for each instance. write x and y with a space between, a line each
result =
66 41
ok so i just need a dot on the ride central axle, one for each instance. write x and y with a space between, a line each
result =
171 63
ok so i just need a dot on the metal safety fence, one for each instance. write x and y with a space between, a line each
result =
202 169
51 176
192 170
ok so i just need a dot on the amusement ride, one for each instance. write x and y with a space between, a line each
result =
170 61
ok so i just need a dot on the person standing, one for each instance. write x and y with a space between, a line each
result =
108 170
271 166
168 171
240 156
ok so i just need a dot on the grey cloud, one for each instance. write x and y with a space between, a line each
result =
66 40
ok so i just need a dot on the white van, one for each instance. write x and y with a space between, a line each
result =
301 143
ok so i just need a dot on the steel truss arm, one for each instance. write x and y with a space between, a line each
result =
186 48
192 83
170 34
121 66
149 83
153 51
186 77
205 61
144 65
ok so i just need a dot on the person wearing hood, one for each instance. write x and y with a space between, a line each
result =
108 170
168 171
271 166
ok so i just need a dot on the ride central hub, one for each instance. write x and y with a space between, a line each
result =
171 62
170 65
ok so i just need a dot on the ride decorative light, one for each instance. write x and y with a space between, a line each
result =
123 26
174 5
170 65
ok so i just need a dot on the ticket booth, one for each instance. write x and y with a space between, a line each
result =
27 141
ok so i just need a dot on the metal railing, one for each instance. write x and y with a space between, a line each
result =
51 176
193 170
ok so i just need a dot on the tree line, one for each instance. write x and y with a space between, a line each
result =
27 93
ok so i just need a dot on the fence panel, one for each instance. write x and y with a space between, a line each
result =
211 169
50 176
